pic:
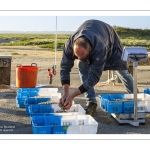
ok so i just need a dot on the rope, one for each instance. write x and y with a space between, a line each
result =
113 79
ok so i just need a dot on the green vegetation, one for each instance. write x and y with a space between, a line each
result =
129 37
40 40
14 53
134 37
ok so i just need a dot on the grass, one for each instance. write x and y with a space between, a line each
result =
14 53
128 37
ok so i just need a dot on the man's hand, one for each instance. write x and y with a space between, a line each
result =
62 101
66 99
68 102
65 95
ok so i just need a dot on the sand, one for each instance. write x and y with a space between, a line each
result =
26 55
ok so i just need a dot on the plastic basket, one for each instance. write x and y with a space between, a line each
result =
128 107
39 90
114 103
26 76
21 97
103 100
146 90
32 101
24 93
40 109
108 103
76 124
114 106
47 109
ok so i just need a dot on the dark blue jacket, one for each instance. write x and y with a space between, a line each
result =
105 54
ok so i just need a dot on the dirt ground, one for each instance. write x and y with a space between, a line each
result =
11 115
45 59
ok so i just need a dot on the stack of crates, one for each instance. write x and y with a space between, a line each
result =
27 96
147 91
64 124
48 118
124 103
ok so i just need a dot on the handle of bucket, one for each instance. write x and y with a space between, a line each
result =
19 65
33 64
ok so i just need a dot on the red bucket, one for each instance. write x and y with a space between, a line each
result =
26 76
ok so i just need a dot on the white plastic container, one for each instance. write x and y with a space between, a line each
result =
144 104
147 106
108 102
55 96
47 91
75 109
80 124
76 124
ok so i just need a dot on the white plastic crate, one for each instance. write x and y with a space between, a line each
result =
37 109
75 109
143 102
25 93
76 124
53 96
147 105
80 124
38 90
47 91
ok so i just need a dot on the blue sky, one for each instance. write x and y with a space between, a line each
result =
67 23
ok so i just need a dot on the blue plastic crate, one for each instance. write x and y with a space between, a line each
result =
20 90
72 124
114 106
59 129
128 107
108 102
39 109
127 102
20 103
27 94
32 101
44 124
22 96
146 90
37 89
103 98
48 109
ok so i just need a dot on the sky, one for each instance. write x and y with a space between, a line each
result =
67 23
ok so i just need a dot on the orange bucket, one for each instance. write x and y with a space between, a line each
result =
26 76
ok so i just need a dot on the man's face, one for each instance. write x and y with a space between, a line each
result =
81 52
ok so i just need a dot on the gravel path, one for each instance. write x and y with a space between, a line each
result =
13 120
